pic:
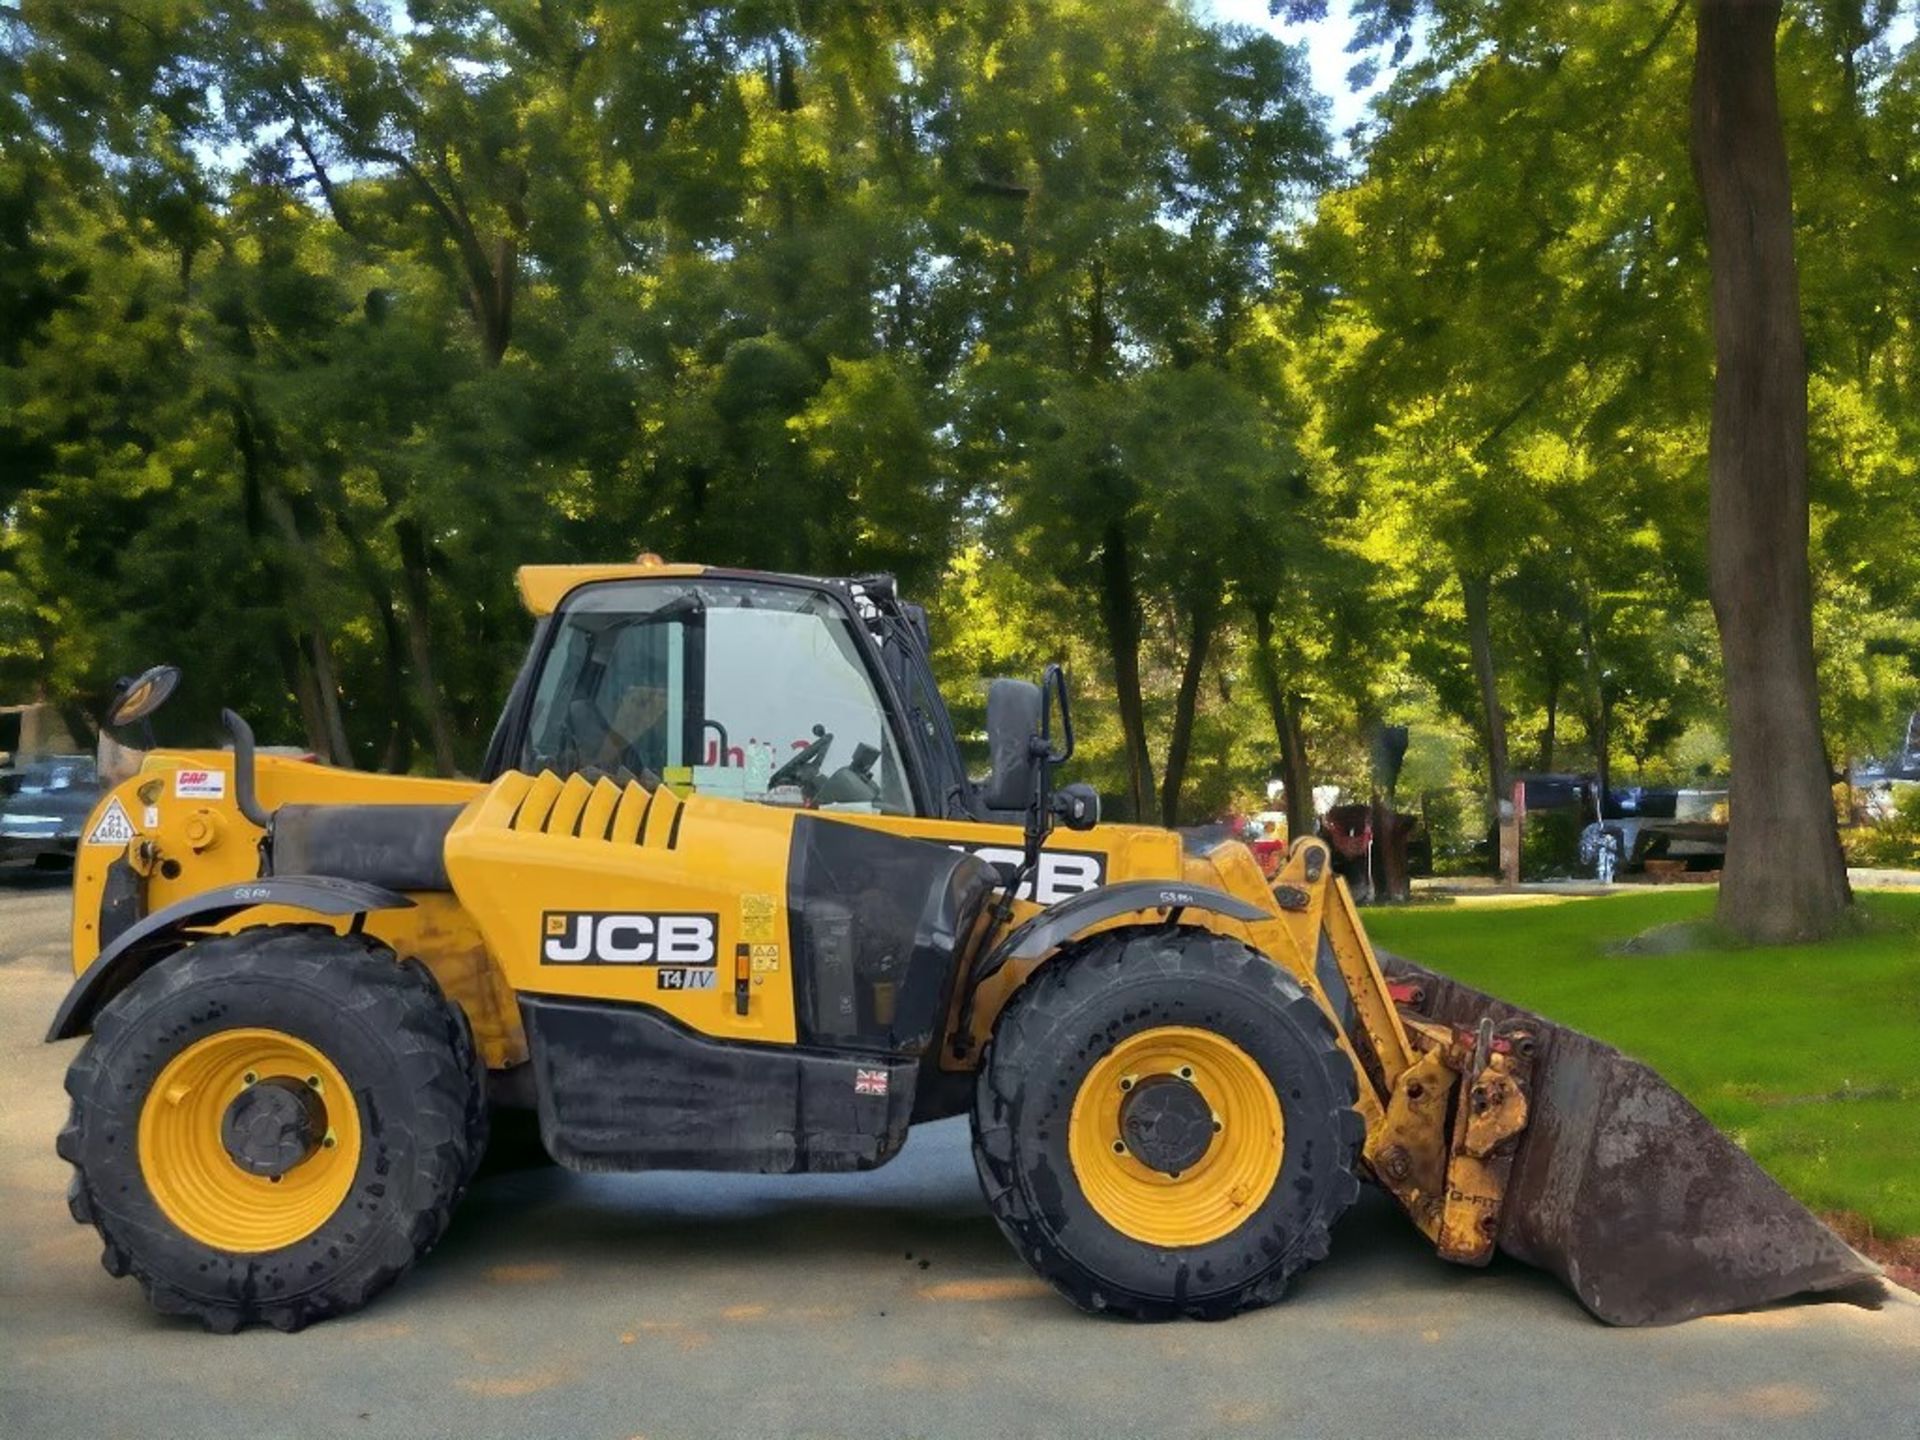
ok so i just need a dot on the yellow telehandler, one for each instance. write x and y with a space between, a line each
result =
726 899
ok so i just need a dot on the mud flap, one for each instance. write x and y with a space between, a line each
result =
1629 1194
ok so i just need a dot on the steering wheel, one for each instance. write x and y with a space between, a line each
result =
804 769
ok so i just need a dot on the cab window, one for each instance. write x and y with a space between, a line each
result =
746 690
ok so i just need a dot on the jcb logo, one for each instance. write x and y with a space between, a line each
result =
1061 873
627 937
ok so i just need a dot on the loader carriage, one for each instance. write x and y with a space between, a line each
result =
726 899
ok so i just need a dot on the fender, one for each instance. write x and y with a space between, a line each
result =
140 946
1059 923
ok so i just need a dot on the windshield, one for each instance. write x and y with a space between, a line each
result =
735 688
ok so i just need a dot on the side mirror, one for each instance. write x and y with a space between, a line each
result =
1016 710
139 697
1077 806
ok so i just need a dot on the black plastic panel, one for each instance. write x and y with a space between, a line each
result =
122 901
399 846
622 1087
876 919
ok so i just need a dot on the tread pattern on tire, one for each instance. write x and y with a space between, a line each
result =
1079 972
434 1046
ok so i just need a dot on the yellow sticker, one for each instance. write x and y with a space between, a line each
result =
756 917
766 957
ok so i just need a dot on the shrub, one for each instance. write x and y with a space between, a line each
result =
1895 841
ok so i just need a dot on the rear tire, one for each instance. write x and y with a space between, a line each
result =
404 1128
1052 1066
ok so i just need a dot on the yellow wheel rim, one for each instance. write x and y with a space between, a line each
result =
1213 1194
201 1187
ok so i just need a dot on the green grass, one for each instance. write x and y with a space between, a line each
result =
1807 1055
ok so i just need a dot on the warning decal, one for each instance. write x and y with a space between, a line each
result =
756 917
112 828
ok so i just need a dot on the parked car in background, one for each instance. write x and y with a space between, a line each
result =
44 803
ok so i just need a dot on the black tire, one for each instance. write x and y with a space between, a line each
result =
408 1057
1075 1011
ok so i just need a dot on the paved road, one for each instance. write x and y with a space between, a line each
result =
876 1305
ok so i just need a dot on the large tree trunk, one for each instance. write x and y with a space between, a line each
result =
1785 878
1206 610
1120 614
1284 706
1480 640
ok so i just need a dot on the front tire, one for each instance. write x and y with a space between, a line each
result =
1164 1125
271 1127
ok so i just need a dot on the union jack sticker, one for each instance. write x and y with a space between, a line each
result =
869 1082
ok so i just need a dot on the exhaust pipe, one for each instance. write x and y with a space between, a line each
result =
245 798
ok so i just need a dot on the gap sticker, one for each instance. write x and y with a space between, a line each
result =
629 937
869 1082
113 827
684 979
200 784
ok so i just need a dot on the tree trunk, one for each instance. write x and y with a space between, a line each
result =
296 666
1599 705
317 691
397 751
1480 639
1392 832
1284 707
339 751
1548 731
1603 742
1784 878
1206 610
417 586
1120 614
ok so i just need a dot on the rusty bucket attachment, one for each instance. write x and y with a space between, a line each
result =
1629 1194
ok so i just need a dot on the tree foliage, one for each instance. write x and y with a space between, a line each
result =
317 320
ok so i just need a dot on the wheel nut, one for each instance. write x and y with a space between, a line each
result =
1126 1082
313 1082
1186 1072
1218 1126
1119 1147
250 1078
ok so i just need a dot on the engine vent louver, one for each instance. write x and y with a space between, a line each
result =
599 809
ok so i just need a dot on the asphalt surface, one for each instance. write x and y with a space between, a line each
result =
879 1305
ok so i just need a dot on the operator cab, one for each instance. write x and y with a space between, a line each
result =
775 689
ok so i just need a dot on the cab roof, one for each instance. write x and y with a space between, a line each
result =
543 587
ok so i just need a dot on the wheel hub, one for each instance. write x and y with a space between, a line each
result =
1166 1123
273 1125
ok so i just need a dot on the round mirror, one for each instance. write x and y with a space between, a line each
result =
142 695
